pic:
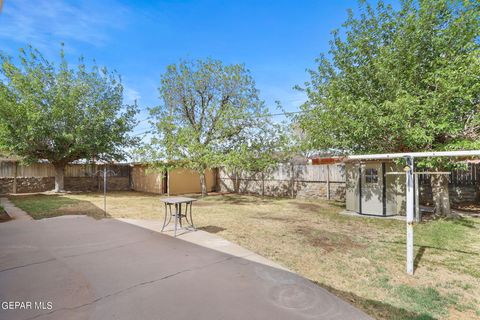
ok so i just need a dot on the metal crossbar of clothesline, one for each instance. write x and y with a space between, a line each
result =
469 153
418 172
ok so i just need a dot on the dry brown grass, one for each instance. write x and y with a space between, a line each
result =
360 259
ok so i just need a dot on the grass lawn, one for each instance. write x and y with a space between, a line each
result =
361 260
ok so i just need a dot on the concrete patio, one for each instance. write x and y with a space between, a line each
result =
108 269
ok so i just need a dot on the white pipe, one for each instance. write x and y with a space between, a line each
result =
416 155
418 172
410 209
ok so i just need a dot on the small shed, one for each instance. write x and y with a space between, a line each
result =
374 187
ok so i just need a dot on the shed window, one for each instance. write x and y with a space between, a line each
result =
371 175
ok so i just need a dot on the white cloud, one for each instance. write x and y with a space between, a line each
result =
42 22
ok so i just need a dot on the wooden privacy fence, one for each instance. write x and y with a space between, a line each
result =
11 169
464 185
458 177
286 180
299 181
38 177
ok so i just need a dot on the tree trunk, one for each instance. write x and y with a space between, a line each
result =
441 197
203 183
236 188
59 177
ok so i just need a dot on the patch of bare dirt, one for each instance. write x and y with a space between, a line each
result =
212 229
469 208
203 204
4 217
328 241
281 219
311 207
465 315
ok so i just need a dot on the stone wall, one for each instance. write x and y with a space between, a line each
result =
458 193
34 184
82 183
320 190
286 180
285 188
6 185
117 184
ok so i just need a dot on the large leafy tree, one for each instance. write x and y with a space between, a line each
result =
60 114
210 115
400 80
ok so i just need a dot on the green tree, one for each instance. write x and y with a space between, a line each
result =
263 150
400 80
59 114
211 115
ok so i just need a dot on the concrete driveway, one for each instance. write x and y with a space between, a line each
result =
79 268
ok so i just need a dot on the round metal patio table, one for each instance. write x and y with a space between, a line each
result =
177 202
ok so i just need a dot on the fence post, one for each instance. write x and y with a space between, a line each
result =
15 173
168 182
292 179
236 188
263 184
130 186
328 182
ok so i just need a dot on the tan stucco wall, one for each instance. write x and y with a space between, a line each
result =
183 181
146 180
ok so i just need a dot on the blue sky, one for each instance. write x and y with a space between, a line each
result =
277 40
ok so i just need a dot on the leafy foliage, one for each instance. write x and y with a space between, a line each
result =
211 115
62 114
399 80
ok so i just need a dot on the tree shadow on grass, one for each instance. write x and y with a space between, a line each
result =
337 204
122 194
244 200
431 247
42 206
376 309
468 223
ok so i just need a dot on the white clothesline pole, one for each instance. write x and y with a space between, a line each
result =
410 209
410 194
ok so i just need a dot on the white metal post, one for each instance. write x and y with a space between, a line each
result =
105 191
417 199
410 210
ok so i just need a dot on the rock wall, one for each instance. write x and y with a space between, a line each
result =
285 188
6 185
321 190
117 184
34 184
458 194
